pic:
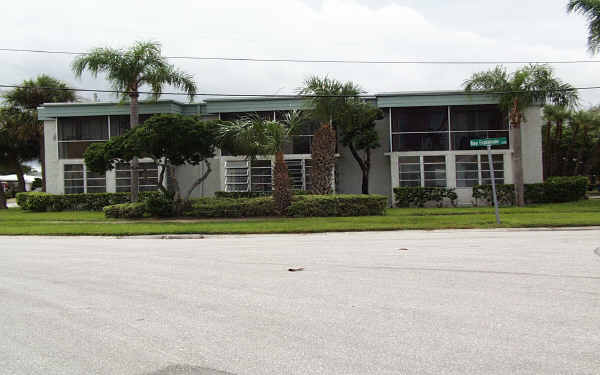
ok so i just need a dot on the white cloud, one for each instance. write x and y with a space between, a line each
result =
335 29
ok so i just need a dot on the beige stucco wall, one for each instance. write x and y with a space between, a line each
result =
531 133
349 174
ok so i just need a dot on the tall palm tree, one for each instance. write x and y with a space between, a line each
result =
329 98
533 84
590 9
129 71
31 94
253 136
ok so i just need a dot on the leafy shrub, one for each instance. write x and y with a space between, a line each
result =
252 194
37 201
504 192
159 205
241 194
125 210
407 196
37 183
553 190
227 207
337 205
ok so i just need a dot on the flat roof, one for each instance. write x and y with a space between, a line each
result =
215 105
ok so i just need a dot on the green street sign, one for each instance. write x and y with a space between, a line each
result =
488 142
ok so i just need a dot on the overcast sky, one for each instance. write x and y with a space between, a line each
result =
313 29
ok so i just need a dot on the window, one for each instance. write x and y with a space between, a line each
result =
148 177
260 176
243 175
302 141
472 170
73 175
430 129
410 170
120 124
420 129
427 171
76 184
75 134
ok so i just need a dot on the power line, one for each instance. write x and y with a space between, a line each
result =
335 61
300 96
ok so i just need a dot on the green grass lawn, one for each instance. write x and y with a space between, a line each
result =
15 221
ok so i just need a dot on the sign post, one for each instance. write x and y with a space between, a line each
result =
489 142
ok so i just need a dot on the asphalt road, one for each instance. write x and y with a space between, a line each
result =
454 302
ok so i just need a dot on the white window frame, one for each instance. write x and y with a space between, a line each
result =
422 171
84 178
482 166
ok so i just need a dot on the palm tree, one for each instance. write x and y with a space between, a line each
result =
253 136
533 84
329 99
554 114
129 71
31 94
590 9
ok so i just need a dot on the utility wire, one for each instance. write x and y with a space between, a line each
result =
336 61
299 96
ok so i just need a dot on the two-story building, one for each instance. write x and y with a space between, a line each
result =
425 138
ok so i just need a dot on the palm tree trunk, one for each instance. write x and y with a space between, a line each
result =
571 151
282 195
20 176
135 174
517 155
2 197
547 155
559 160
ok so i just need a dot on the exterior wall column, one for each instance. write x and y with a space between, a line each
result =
53 167
531 134
394 173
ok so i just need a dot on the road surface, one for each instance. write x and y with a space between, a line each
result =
407 302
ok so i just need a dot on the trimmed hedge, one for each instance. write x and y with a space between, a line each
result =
227 207
37 201
125 210
302 206
553 190
407 196
337 205
251 194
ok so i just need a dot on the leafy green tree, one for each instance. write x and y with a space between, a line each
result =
170 140
16 148
530 85
129 71
329 98
254 136
591 10
31 94
356 126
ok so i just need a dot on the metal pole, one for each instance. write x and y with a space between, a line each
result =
493 178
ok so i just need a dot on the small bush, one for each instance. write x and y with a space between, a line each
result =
337 205
37 201
411 196
504 192
553 190
160 206
125 210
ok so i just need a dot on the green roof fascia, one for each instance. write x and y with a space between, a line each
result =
439 98
52 110
258 104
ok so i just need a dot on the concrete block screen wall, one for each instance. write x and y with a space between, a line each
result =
424 137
